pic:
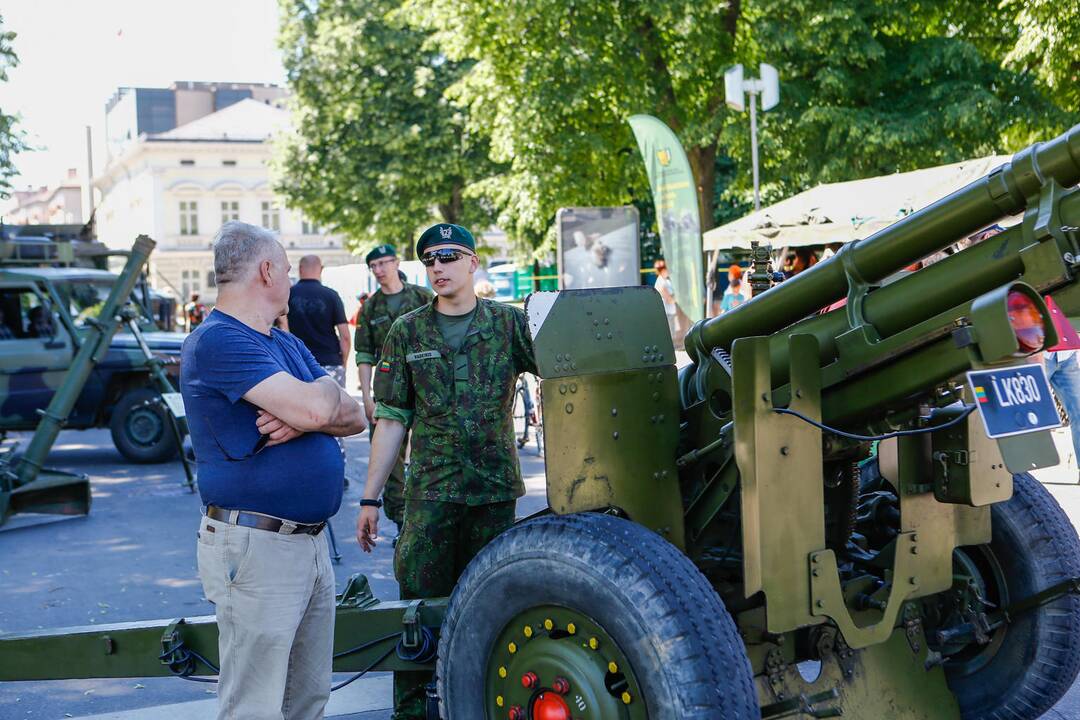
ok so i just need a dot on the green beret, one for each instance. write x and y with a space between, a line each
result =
380 252
445 234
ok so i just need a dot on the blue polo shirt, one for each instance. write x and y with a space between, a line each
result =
300 480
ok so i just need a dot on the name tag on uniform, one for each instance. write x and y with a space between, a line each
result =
380 320
425 355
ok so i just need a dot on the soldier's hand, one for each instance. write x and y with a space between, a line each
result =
278 431
367 527
369 410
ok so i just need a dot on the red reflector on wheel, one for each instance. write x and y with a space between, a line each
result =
1026 322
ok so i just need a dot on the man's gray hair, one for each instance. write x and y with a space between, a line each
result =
238 248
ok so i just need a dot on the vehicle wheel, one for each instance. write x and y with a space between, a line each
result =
140 427
592 615
1028 665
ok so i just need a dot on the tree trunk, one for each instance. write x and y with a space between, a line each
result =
703 165
451 210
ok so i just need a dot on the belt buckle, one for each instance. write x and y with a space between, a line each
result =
288 527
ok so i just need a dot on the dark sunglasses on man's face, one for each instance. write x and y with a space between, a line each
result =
445 257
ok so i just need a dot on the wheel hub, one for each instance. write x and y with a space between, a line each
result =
551 663
144 426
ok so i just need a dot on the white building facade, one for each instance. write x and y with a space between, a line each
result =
180 185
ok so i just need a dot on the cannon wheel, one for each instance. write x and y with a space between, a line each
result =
1028 665
590 615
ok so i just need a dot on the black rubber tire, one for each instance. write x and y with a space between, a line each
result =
1037 662
678 637
162 448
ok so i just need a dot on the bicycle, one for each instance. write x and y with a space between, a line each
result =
527 413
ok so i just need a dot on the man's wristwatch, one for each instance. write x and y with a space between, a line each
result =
366 502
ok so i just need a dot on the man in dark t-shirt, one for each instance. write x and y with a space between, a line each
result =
263 417
317 317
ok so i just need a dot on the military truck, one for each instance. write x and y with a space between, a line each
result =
39 275
823 515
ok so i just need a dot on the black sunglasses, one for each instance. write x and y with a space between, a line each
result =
445 257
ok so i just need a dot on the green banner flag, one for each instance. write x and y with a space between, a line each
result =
675 194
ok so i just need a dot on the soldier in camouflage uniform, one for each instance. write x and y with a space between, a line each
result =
393 299
448 371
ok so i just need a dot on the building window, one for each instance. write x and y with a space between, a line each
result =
271 216
308 228
230 210
190 282
189 217
228 163
187 163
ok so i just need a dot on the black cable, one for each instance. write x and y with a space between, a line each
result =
968 409
365 646
363 672
185 658
424 652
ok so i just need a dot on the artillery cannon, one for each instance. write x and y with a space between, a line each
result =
809 520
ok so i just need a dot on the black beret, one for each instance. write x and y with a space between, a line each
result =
380 252
445 234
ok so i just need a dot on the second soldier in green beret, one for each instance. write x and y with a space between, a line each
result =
394 298
448 371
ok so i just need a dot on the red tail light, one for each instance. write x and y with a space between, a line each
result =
1027 322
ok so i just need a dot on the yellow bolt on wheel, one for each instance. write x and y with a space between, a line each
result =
626 698
512 647
611 666
593 643
548 624
571 628
502 672
528 631
499 700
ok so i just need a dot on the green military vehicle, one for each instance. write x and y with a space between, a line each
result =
823 515
50 290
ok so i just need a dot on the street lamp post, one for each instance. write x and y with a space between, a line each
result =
768 87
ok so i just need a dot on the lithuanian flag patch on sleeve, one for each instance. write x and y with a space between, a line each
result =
384 366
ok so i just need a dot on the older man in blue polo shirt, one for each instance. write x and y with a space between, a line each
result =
263 416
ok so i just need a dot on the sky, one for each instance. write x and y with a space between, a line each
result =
74 54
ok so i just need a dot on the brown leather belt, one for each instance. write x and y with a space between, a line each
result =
262 522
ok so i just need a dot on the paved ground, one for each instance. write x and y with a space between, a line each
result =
134 558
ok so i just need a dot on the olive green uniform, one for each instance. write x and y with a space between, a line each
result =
378 314
464 475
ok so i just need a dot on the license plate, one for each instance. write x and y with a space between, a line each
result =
175 401
1014 400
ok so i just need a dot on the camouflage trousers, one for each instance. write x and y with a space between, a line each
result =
337 372
438 541
393 494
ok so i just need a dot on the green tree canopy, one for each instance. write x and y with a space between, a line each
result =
376 151
874 88
520 106
12 139
554 82
1048 45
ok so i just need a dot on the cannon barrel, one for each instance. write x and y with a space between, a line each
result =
1004 191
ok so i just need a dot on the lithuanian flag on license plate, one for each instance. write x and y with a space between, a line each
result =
980 394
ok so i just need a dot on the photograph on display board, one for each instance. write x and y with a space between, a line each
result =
598 247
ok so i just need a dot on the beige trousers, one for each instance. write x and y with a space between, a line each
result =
274 599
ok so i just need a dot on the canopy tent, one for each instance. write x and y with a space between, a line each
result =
841 212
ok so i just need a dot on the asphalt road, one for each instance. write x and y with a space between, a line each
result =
133 558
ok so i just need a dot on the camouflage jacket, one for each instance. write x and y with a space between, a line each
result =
375 320
463 448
